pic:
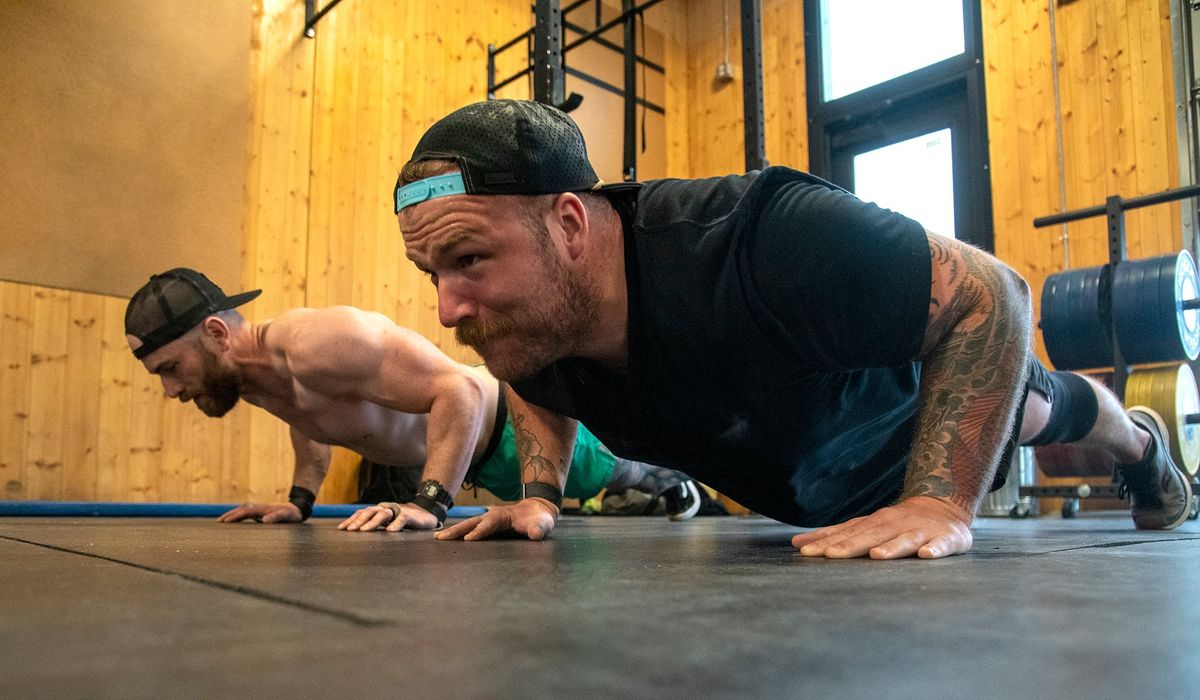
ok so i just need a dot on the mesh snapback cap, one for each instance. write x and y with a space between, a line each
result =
504 147
173 303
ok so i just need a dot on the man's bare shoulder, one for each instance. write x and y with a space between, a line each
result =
341 339
297 329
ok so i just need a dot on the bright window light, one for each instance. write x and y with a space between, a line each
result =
913 177
866 42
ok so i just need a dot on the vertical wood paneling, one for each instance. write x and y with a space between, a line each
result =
16 334
1153 99
235 456
178 448
715 117
203 477
1117 120
1021 124
85 328
389 156
330 258
144 424
47 393
114 440
785 93
715 125
671 19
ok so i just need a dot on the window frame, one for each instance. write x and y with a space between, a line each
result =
949 93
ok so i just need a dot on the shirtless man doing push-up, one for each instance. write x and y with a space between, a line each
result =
342 376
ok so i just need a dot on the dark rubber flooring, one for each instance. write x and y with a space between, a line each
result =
607 608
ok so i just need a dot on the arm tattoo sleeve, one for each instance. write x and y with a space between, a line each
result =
975 355
534 465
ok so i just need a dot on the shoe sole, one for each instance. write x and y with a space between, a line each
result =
1187 479
692 509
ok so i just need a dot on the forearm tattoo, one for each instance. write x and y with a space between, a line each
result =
974 356
535 466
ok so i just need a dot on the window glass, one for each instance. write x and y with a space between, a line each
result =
866 42
914 177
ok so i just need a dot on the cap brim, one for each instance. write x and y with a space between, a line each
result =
618 188
239 299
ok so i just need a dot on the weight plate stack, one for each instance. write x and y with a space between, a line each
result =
1170 390
1187 321
1075 317
1147 309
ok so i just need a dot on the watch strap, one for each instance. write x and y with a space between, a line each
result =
434 497
439 511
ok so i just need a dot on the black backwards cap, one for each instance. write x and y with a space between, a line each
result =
504 147
172 304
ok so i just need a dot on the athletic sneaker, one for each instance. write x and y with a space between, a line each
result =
682 500
1160 492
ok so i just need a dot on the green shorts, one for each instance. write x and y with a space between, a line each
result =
591 467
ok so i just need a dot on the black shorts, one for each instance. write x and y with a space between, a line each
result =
1039 381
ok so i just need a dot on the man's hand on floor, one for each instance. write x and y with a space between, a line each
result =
927 527
532 517
263 513
396 516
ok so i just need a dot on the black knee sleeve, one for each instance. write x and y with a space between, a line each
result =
1073 410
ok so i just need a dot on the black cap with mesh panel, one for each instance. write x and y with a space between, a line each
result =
172 304
512 147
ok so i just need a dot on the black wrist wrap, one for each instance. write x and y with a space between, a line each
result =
539 490
303 499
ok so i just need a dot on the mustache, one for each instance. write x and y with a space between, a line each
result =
473 333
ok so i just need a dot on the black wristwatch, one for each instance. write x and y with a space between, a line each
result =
433 497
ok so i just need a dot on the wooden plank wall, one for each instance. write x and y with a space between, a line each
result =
335 117
1118 128
83 421
714 115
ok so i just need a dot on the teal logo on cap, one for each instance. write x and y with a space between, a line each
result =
429 188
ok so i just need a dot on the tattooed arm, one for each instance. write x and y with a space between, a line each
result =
974 356
545 443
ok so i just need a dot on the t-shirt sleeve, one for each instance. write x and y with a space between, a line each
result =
840 283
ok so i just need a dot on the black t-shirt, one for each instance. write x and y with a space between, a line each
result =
773 324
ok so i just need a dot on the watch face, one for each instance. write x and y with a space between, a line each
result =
431 490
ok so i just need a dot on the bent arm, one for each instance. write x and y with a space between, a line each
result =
974 358
456 416
545 444
312 461
545 441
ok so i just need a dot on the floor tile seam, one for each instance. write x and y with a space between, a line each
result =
256 593
1129 543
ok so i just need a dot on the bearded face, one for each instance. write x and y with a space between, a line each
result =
542 327
219 387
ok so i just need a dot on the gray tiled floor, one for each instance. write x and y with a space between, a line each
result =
609 607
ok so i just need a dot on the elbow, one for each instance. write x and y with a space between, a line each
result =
1015 305
471 392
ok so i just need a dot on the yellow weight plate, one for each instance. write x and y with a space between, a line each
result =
1170 390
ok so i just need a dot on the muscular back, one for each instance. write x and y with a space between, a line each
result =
354 379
